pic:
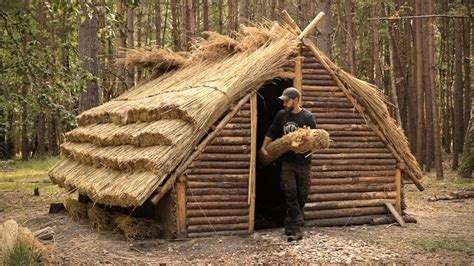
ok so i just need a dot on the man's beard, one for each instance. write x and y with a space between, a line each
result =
290 109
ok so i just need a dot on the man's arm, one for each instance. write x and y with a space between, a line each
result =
273 132
265 144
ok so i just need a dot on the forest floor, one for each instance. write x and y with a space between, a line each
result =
444 232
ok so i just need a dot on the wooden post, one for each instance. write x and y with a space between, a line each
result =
398 183
310 28
181 217
298 79
253 160
395 214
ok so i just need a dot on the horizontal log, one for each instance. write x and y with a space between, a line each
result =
242 149
351 196
335 115
353 150
317 76
322 94
329 205
318 110
216 212
235 126
231 141
348 188
217 220
216 184
362 211
321 88
352 180
235 132
311 104
312 99
223 157
310 59
243 113
330 127
311 65
314 71
328 168
337 156
355 139
208 198
391 219
362 161
219 233
216 227
342 221
240 120
219 164
216 191
191 205
343 121
318 82
335 133
201 171
218 177
377 144
335 174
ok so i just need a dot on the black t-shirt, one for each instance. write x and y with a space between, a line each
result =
286 122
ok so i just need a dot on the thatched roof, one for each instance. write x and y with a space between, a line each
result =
124 149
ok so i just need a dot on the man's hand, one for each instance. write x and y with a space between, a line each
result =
264 152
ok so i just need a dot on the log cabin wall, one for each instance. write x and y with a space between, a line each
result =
352 179
217 182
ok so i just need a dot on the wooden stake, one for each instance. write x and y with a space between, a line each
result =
181 217
398 182
395 214
298 78
253 163
199 149
310 28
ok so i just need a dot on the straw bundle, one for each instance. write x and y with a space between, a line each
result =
302 140
76 209
157 59
214 47
100 219
137 228
11 234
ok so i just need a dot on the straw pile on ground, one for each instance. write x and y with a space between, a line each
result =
12 236
124 149
303 140
100 218
77 210
137 228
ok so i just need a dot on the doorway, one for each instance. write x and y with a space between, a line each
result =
270 198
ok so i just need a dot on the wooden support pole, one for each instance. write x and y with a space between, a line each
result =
199 149
310 28
395 214
253 162
298 78
398 183
181 217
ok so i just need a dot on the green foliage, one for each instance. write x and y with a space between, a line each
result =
20 255
443 243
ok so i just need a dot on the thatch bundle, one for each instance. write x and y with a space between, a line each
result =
303 140
11 235
214 47
76 209
137 228
162 60
100 218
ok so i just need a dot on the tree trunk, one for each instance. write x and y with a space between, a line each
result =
130 45
458 93
323 35
158 22
139 38
88 46
3 134
429 140
205 15
121 86
175 25
467 66
350 36
221 16
244 12
40 136
467 161
188 23
10 135
376 72
53 134
420 151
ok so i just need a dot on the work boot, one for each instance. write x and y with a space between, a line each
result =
289 231
295 235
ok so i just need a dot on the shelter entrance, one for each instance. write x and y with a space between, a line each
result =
270 198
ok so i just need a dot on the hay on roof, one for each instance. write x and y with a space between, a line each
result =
213 47
162 60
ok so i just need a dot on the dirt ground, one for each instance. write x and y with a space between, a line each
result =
444 234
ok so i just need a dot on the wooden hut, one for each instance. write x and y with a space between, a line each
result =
183 146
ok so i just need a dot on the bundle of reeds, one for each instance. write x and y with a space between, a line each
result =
213 47
303 140
157 59
76 209
137 228
100 218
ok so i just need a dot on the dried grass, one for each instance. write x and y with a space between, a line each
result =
137 228
162 60
76 209
100 218
213 47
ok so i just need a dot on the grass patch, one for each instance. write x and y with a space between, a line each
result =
443 243
20 255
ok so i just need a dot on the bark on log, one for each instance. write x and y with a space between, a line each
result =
349 162
363 211
216 184
217 205
217 212
325 99
360 150
352 180
336 115
242 113
231 141
210 198
217 220
319 82
378 144
353 121
321 88
336 133
351 196
216 164
355 138
311 65
329 205
216 191
335 174
343 221
235 126
240 120
235 132
314 71
302 140
216 227
318 76
390 219
219 177
218 233
351 167
322 94
330 127
318 110
228 149
352 188
217 171
320 156
223 157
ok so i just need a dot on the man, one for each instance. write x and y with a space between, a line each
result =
296 168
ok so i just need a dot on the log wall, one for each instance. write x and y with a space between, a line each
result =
350 181
217 182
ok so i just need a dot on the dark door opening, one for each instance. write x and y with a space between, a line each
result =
270 198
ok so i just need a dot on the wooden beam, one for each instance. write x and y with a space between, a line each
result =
398 183
199 149
253 162
395 214
310 28
298 77
181 217
287 18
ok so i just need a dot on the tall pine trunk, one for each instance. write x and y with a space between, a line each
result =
458 126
